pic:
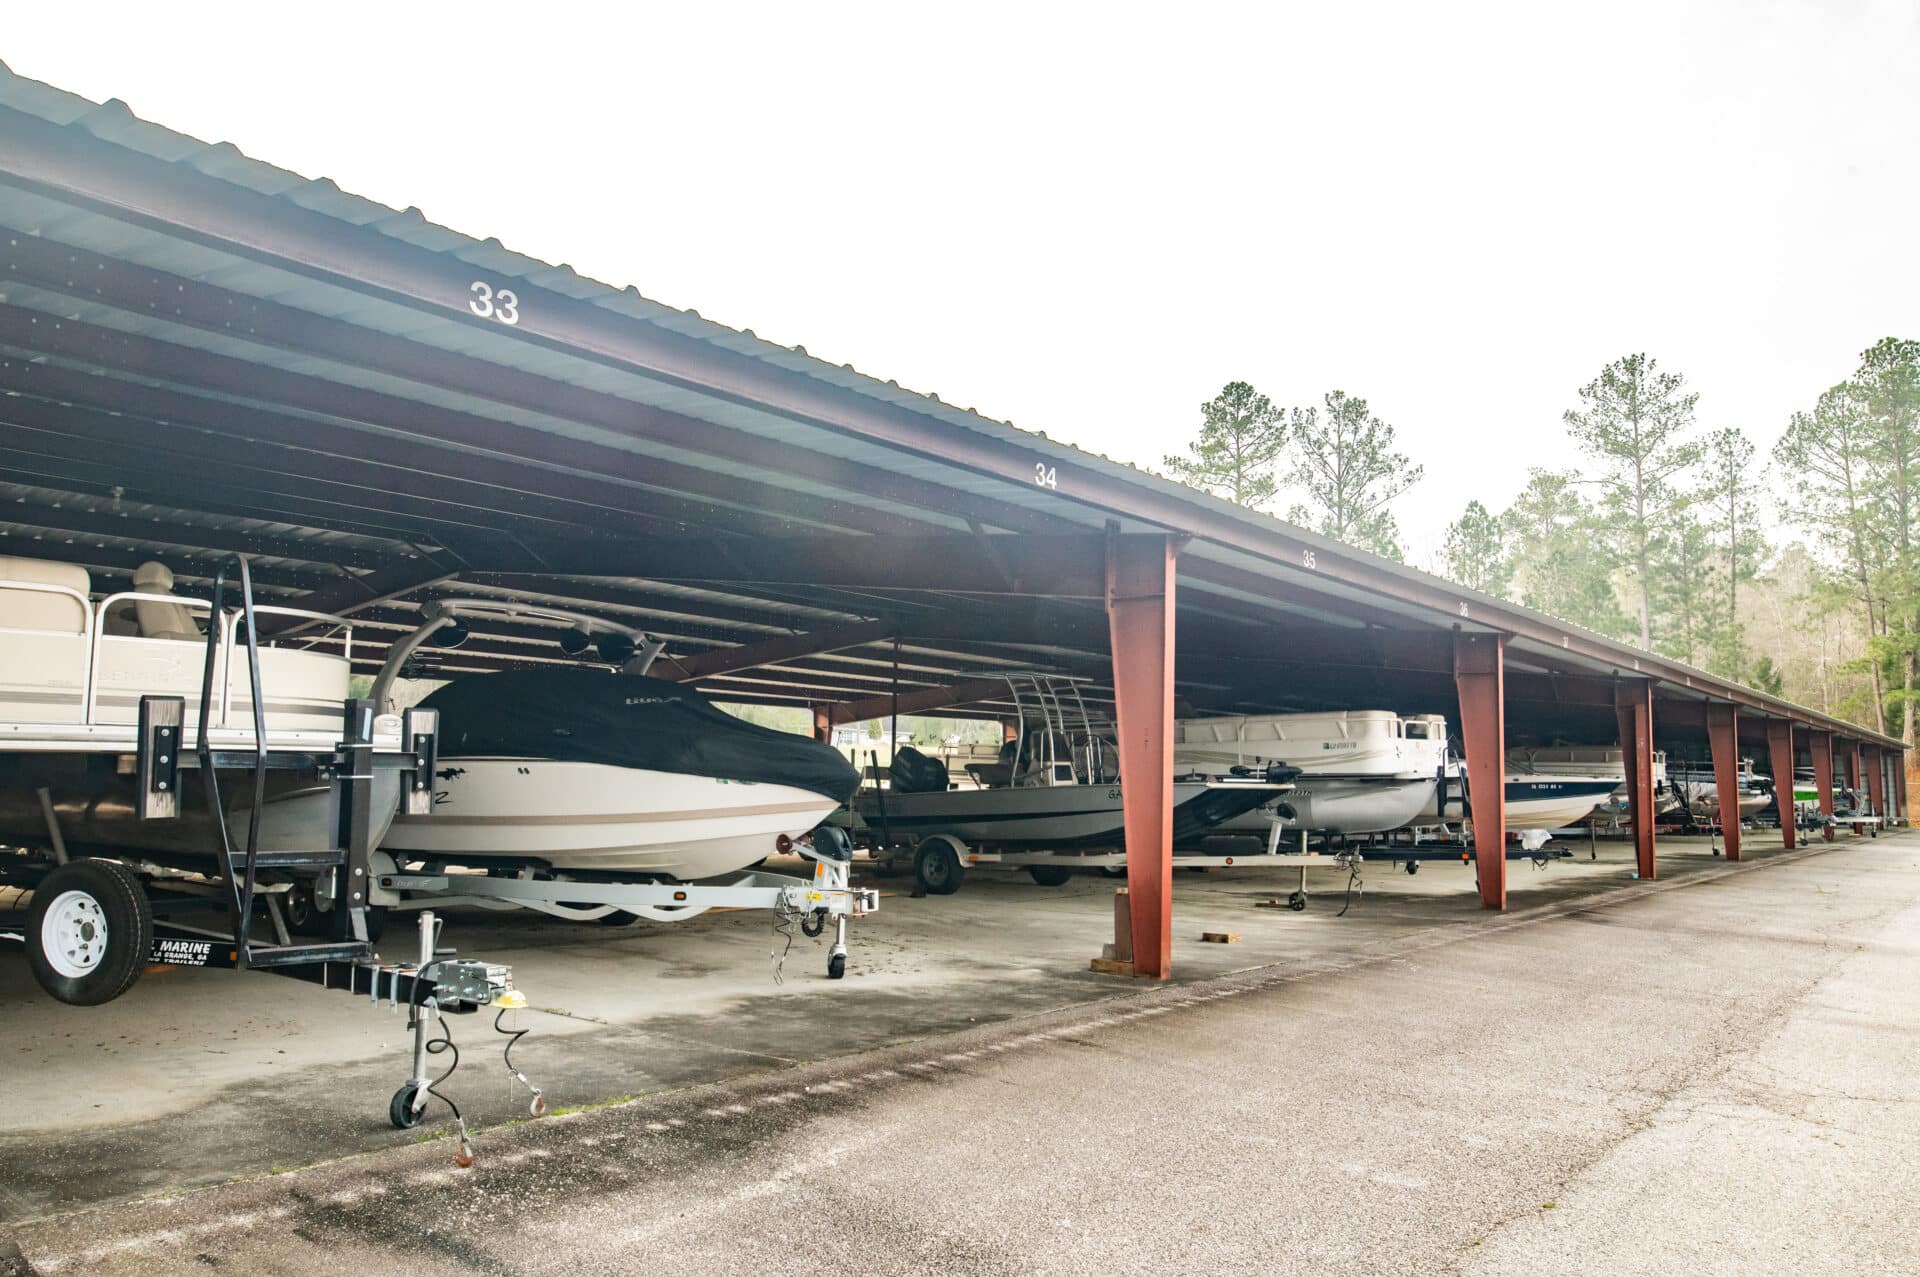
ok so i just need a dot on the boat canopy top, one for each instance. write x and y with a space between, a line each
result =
627 720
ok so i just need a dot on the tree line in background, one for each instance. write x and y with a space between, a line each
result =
1656 539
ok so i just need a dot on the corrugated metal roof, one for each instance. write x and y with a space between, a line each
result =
1387 588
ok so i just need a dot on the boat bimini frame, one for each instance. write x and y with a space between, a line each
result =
425 882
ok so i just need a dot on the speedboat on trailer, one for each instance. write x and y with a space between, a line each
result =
1534 802
603 771
1054 786
1594 762
1361 771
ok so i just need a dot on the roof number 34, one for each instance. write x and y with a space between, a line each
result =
1045 475
488 303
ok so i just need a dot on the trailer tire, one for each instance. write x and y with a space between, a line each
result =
1051 875
837 966
90 932
1113 871
936 865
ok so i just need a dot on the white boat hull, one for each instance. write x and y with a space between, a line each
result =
1345 805
602 818
1532 802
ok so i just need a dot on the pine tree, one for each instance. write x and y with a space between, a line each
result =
1563 564
1241 435
1887 389
1731 482
1634 420
1823 457
1475 553
1344 461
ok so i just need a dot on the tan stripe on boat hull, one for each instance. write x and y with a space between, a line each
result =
612 818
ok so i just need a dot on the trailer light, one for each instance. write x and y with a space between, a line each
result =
679 895
1229 859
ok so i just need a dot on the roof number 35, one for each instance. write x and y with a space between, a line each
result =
487 303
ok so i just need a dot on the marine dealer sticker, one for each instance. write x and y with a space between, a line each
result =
182 953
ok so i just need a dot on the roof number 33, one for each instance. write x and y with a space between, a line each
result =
486 302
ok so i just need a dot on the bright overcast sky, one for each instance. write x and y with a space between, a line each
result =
1086 223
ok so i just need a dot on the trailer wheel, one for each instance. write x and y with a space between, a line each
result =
1051 875
1113 871
400 1109
90 932
936 864
1297 902
1413 867
837 966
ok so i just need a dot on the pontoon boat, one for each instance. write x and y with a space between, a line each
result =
1362 771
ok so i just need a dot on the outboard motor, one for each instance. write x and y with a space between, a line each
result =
912 772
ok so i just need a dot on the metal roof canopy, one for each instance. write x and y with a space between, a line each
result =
201 354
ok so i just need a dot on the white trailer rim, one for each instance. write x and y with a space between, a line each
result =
73 934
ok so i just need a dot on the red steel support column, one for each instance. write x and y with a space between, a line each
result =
1633 706
1723 735
1877 781
1140 606
1780 758
1856 778
1820 745
822 725
1479 675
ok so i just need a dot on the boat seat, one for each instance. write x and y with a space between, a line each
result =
41 610
159 620
991 775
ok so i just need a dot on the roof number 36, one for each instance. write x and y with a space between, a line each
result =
1045 475
487 303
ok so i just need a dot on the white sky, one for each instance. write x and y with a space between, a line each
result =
1087 222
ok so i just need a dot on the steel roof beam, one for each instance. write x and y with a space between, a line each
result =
180 532
79 273
1052 566
92 478
440 440
82 435
349 595
727 660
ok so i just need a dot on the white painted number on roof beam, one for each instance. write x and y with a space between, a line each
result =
1045 475
503 305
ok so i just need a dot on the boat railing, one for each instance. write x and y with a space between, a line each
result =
226 628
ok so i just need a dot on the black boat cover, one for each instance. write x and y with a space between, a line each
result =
588 716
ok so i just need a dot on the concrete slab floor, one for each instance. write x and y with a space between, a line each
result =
198 1077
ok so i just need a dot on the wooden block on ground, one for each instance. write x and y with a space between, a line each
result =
1270 904
1107 966
1220 937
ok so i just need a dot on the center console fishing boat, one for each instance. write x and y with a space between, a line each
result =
1055 786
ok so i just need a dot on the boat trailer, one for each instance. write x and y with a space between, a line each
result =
811 904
